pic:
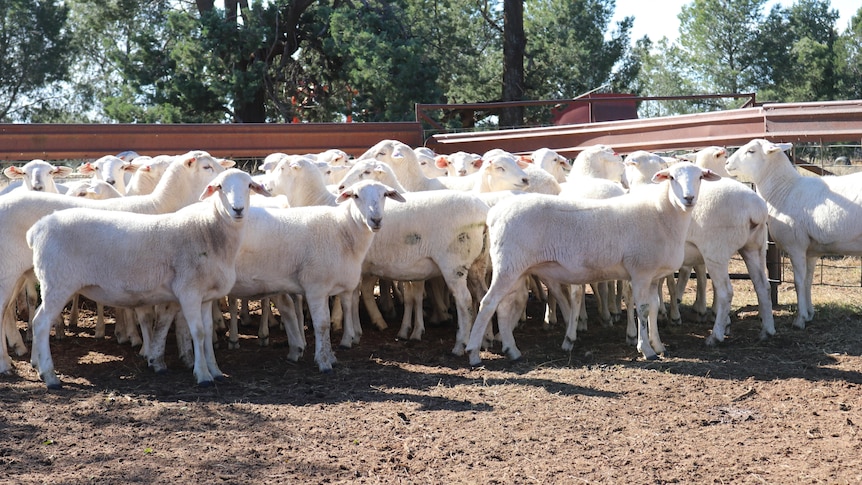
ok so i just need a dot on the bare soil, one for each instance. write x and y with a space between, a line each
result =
787 410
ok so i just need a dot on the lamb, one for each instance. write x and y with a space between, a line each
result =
77 250
808 216
371 169
497 173
93 189
720 228
404 163
37 175
570 242
306 266
180 186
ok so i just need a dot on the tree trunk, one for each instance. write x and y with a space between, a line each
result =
514 45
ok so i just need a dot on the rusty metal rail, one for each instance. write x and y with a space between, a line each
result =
81 141
791 122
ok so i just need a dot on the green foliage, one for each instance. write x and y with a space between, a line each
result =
848 59
35 54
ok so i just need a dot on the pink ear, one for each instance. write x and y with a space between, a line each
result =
87 167
525 159
478 162
210 190
189 161
441 161
659 176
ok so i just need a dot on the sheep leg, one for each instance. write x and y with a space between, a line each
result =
386 299
723 295
299 306
192 311
673 297
164 316
645 295
413 317
263 328
295 337
100 321
12 336
799 262
318 306
40 356
367 292
501 285
577 297
456 280
809 280
631 314
337 313
755 261
145 318
439 296
6 365
184 339
218 316
507 319
603 294
233 329
209 351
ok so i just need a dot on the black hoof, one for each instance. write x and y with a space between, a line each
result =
161 372
653 357
326 371
206 384
220 378
55 387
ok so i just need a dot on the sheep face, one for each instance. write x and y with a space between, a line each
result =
109 168
234 189
38 175
752 161
369 169
684 179
505 173
369 198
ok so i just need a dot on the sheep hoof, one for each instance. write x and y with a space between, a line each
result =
233 344
326 371
568 344
220 378
712 340
263 342
161 372
652 357
676 321
513 354
633 341
206 384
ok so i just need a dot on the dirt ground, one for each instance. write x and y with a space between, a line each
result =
787 410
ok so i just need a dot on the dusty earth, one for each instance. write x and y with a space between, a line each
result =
787 410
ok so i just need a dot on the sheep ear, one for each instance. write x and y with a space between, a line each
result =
62 171
661 176
775 147
210 190
346 194
710 175
260 189
522 163
441 161
478 162
131 167
86 168
524 159
394 195
13 172
224 162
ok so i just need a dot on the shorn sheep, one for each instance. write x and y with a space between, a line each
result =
808 216
316 251
37 175
187 257
181 186
570 241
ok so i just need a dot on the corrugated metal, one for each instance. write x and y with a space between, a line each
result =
82 141
793 122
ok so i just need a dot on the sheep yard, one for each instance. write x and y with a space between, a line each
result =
787 410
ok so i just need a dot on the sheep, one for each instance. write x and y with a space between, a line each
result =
428 163
302 264
729 218
404 163
180 186
808 216
371 169
77 250
297 178
459 164
37 175
146 177
93 189
713 158
552 162
571 242
598 161
498 172
111 169
434 233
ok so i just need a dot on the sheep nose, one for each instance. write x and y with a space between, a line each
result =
375 222
110 181
238 211
462 173
689 199
38 188
526 181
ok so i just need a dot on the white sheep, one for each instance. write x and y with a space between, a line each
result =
499 172
434 233
552 162
713 158
459 164
571 242
315 251
404 162
371 169
808 216
111 169
36 175
428 162
93 189
186 257
146 177
181 186
729 218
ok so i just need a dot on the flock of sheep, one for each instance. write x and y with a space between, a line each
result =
165 239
